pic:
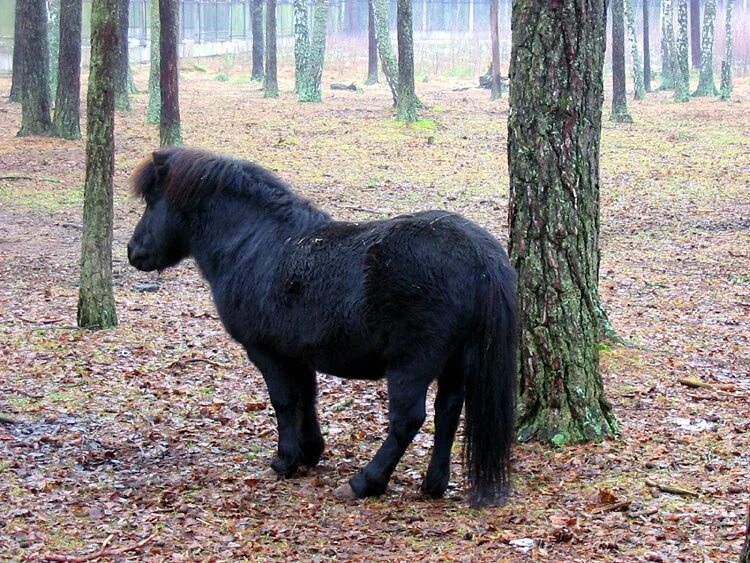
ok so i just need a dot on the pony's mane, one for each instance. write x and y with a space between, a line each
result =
187 176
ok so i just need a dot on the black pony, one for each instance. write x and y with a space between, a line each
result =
417 298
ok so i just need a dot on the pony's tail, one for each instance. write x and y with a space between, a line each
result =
490 385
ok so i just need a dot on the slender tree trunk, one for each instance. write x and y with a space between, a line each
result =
383 36
619 96
35 115
372 48
682 77
554 132
406 107
667 41
53 37
16 89
309 90
257 28
706 85
646 50
301 43
96 303
153 114
122 97
270 81
639 91
726 64
170 131
68 95
695 32
495 84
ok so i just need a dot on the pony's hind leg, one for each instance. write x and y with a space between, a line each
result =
311 440
448 404
407 393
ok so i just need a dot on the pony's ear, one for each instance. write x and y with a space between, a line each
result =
160 159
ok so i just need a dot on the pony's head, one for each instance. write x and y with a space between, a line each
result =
158 241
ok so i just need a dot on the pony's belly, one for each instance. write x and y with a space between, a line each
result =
349 368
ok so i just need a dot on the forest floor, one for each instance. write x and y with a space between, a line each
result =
149 439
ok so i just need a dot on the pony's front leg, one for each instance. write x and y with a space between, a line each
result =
406 412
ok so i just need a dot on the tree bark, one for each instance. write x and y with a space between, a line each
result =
383 37
122 97
726 64
678 79
270 81
170 131
372 48
153 113
682 76
256 23
667 40
639 91
706 85
309 86
619 96
16 89
53 38
495 84
554 129
406 107
745 553
301 43
96 304
646 50
695 32
35 114
68 95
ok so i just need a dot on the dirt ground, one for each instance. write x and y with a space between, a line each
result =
149 439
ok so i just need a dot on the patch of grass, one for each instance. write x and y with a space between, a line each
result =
198 67
221 77
43 200
460 71
422 124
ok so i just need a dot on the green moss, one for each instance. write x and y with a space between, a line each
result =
560 440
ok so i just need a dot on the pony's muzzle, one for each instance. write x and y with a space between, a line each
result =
139 259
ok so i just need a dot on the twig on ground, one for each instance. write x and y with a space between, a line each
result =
645 512
16 178
362 209
671 489
42 321
183 362
103 552
698 384
612 507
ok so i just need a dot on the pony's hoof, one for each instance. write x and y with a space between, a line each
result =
270 474
345 492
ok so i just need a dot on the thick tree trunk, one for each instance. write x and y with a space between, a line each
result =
682 77
170 131
726 64
270 81
679 80
372 48
667 42
301 43
256 23
495 84
122 97
383 36
706 85
406 107
35 115
68 95
53 37
96 304
639 92
16 90
153 112
554 132
309 90
695 32
619 95
646 50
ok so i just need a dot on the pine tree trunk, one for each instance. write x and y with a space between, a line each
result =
554 132
256 23
406 107
53 37
695 32
726 64
639 92
122 97
372 48
619 95
153 112
16 88
170 132
667 41
646 50
310 87
270 81
68 95
495 84
96 304
706 85
301 44
679 55
35 114
383 36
